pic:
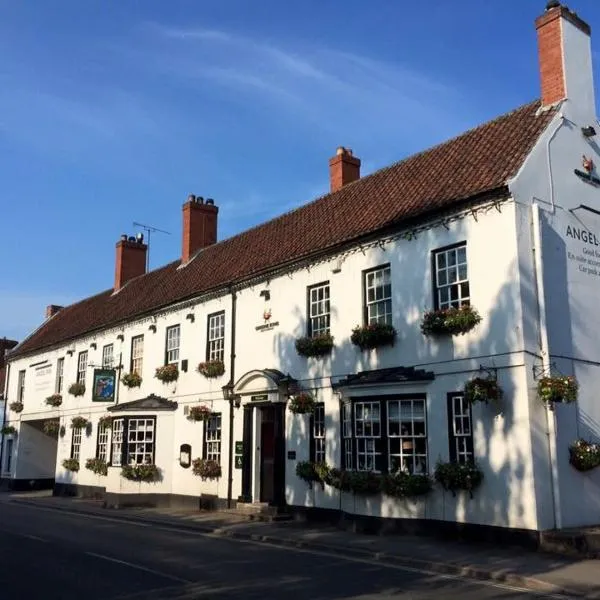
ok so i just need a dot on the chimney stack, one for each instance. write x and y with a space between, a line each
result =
130 260
343 168
199 226
565 57
52 309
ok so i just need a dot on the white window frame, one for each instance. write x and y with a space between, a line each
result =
82 360
318 432
347 435
137 354
378 295
461 429
60 375
21 386
76 436
451 277
319 309
108 356
212 438
403 452
215 349
141 435
116 448
172 344
367 434
102 444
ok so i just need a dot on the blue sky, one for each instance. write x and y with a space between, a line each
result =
113 112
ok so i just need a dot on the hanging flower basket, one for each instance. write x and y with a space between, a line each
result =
450 321
313 472
557 389
482 389
54 400
454 476
584 456
373 335
16 407
71 464
406 485
8 430
97 465
211 368
206 468
131 380
51 427
77 389
105 421
167 373
199 413
145 473
302 403
79 422
319 345
362 483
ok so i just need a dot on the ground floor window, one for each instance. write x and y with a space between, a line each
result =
385 434
9 453
317 433
102 445
460 431
212 438
76 443
133 441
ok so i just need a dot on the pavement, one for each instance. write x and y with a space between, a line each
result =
472 564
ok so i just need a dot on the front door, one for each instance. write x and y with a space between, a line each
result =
267 454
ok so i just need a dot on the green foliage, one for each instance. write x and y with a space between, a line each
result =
131 380
319 345
16 407
167 373
454 476
146 473
583 455
373 335
51 427
96 465
206 468
199 413
8 430
482 389
406 485
54 400
450 321
557 389
79 422
302 403
211 368
71 464
77 389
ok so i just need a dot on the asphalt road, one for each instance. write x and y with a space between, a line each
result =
51 555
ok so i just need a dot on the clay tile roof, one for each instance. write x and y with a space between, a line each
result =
477 162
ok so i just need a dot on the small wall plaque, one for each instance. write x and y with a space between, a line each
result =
291 455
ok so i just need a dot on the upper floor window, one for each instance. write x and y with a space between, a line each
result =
378 295
319 317
82 366
460 431
451 278
172 344
137 354
107 356
21 386
212 438
60 375
215 348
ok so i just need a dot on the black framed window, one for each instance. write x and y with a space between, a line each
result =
21 386
451 281
60 375
377 284
215 339
76 442
212 438
319 309
385 434
102 442
172 341
9 454
133 441
82 361
317 433
137 354
460 429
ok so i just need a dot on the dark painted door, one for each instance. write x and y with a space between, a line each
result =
267 454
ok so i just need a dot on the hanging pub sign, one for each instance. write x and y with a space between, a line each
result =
103 389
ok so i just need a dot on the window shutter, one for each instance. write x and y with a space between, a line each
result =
451 438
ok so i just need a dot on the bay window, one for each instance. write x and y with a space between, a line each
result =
133 441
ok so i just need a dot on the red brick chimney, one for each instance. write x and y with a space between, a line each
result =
52 309
343 168
565 56
130 260
199 226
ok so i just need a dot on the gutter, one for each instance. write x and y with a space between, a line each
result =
545 352
231 399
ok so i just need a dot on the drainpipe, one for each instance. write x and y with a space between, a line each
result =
4 418
231 399
545 350
549 160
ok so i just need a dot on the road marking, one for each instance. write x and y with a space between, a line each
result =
32 537
138 567
332 554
